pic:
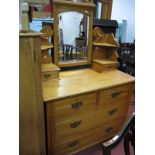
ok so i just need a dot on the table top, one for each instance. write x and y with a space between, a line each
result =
82 81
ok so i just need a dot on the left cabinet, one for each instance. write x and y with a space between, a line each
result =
31 111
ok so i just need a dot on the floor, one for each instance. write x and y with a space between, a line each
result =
97 149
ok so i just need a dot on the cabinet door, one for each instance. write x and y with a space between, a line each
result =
31 116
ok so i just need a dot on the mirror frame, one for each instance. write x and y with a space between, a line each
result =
61 6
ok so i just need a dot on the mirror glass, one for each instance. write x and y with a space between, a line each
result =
73 30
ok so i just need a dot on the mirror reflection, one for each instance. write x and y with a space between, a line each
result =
73 37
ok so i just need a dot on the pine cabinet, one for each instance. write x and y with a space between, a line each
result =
31 112
84 108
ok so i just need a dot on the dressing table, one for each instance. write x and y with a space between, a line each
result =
85 106
81 107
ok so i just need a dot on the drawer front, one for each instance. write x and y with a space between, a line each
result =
106 67
75 106
77 126
50 75
89 138
114 95
109 67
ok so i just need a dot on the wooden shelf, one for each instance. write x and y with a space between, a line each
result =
77 4
104 39
104 61
49 67
49 71
105 44
45 47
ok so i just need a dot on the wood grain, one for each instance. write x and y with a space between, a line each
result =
101 110
31 113
82 81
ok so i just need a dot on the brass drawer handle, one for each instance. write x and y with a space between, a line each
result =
75 124
77 105
73 143
111 112
115 94
109 129
47 75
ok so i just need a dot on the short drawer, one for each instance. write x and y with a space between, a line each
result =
49 71
88 139
103 67
116 94
74 127
75 106
50 75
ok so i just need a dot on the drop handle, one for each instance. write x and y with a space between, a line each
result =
73 143
76 105
109 129
115 94
111 112
75 124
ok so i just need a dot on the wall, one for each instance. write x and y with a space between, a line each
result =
70 26
125 10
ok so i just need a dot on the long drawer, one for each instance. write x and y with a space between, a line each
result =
74 106
77 126
88 139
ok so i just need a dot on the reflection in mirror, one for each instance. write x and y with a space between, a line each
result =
73 37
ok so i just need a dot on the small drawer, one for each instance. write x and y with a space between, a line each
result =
89 138
109 67
119 109
114 95
50 75
49 71
103 67
75 106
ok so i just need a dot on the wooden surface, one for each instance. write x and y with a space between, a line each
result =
40 14
104 61
45 57
100 66
106 9
105 44
31 113
70 3
50 71
104 51
30 34
82 81
47 32
80 97
103 39
45 47
37 1
49 67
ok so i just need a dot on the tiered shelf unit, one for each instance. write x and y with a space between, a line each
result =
105 48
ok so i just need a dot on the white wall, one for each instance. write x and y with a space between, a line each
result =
125 10
70 26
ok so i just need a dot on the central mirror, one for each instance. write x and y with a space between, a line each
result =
73 29
73 24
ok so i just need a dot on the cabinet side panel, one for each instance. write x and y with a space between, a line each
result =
31 122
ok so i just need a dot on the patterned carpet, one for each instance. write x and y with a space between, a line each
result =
97 149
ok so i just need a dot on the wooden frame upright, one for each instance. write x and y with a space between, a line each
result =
106 9
63 6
